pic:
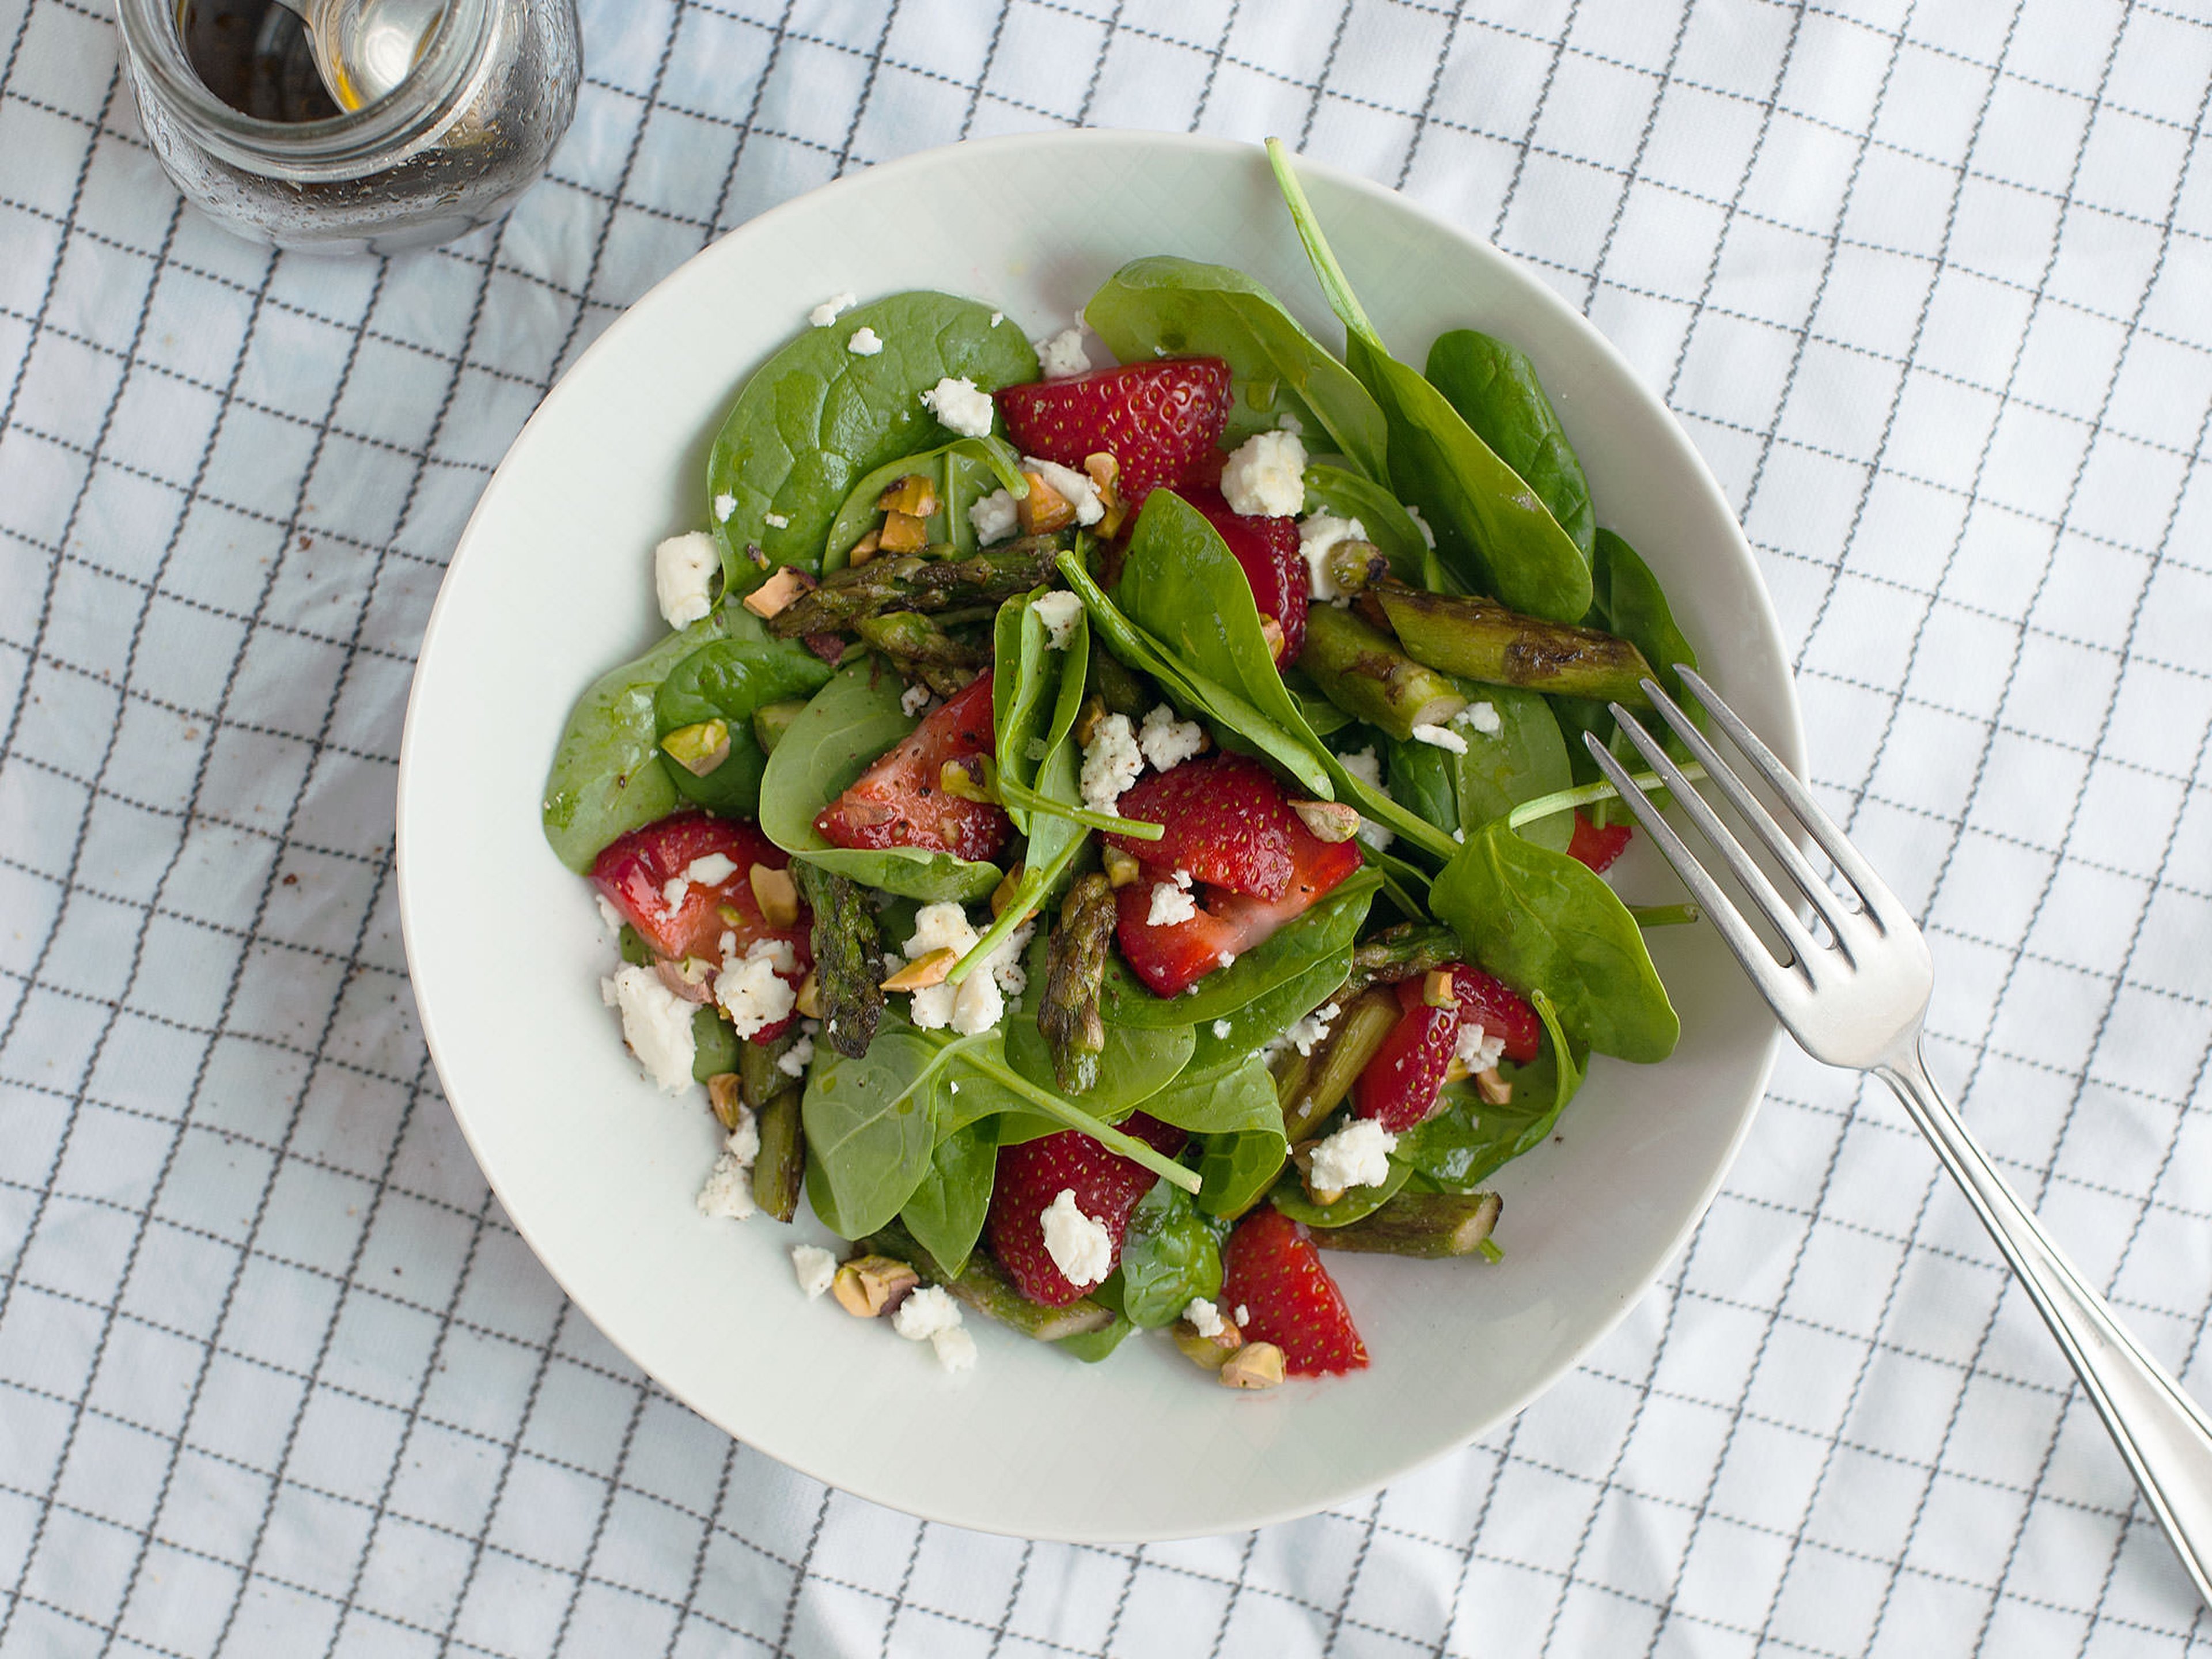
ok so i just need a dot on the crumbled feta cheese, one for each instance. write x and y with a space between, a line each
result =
975 1004
1357 1155
684 568
1222 1027
1081 1249
1073 487
1243 1314
1475 1048
775 521
1058 610
725 504
994 517
1265 476
610 916
1440 737
1482 716
815 1268
710 870
915 698
831 308
1111 762
728 1192
793 1062
1005 962
656 1024
1421 525
751 991
1305 1034
1317 539
939 926
1171 903
1167 742
1460 836
1063 355
997 317
925 1312
674 891
1365 766
864 343
954 1348
1226 959
959 407
1203 1316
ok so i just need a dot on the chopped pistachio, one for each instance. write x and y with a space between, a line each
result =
902 532
914 496
924 972
698 749
1044 509
869 1285
1437 988
1330 821
778 591
776 894
865 549
1209 1352
1255 1365
1003 894
722 1096
1121 870
1271 631
1493 1088
809 1000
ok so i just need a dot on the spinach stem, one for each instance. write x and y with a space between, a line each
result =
1035 884
1112 1140
1588 794
1338 287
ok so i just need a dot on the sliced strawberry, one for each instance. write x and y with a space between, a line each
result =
1268 550
1272 1279
1228 823
1501 1012
1170 958
1160 420
1398 1088
1598 847
1032 1175
635 873
898 801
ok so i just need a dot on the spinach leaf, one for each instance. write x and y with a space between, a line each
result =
1238 1098
1170 1255
1468 1140
1137 1063
851 721
726 681
1424 780
1494 387
608 777
1290 1197
1233 1171
1324 933
945 1213
815 417
1524 759
1543 921
1492 532
869 1134
1321 716
963 471
1628 601
1244 1031
1166 307
1021 679
1091 1347
1389 526
714 1045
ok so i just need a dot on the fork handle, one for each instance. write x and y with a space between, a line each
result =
2164 1436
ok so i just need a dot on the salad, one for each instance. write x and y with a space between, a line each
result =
1104 837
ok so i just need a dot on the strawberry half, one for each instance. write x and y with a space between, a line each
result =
1598 847
1032 1175
1160 420
634 871
1398 1088
1228 824
1272 1279
898 802
1268 550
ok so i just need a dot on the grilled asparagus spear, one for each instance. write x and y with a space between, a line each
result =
848 945
1068 1015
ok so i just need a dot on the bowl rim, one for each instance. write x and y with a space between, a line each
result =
1783 732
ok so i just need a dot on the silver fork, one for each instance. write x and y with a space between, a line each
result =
1856 999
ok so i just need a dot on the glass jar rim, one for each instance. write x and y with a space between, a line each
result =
435 91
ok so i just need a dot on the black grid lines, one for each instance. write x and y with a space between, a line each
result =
276 1377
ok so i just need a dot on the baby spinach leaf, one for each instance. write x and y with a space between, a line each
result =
1468 1140
1323 717
1233 1171
1494 387
869 1134
1166 307
714 1045
726 681
963 471
1021 681
1229 1039
1324 933
1290 1197
1423 779
850 722
1238 1098
1543 921
608 777
1524 759
815 417
1492 532
1091 1347
945 1213
1137 1063
1345 494
1169 1255
1628 601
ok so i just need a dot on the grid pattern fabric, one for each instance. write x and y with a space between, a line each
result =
1929 284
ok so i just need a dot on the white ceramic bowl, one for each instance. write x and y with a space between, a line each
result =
550 585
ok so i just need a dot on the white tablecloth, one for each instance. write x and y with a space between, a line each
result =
1929 285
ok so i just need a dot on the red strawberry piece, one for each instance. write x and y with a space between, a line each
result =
899 801
1268 550
1031 1175
1398 1088
1160 420
1598 847
1273 1280
634 871
1501 1012
1228 823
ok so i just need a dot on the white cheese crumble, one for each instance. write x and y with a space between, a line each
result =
1289 422
1357 1155
959 407
775 521
725 504
913 700
1204 1316
925 1312
682 568
1058 610
728 1192
1073 487
752 992
1421 525
979 1001
1081 1249
1265 476
1440 737
1243 1314
1482 716
954 1349
1167 742
1365 766
1304 1033
864 343
793 1062
1222 1027
675 890
656 1024
710 869
831 308
1063 355
1111 764
1318 537
610 916
997 317
1475 1048
815 1268
994 517
1172 902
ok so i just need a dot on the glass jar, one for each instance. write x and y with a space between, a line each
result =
466 131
